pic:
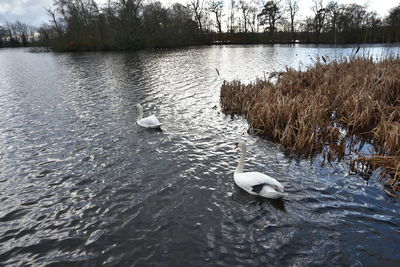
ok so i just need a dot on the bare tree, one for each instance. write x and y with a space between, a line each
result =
22 30
45 32
129 9
11 34
231 27
216 6
320 12
293 8
52 13
333 13
197 8
244 8
3 34
17 34
252 15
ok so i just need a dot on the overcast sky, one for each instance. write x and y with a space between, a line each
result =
32 11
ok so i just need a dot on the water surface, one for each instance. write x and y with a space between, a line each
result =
82 184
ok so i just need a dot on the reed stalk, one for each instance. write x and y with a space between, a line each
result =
319 110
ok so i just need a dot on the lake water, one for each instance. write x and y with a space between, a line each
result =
82 184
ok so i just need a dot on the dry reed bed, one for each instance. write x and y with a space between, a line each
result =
320 109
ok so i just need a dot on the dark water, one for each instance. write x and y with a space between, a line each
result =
82 184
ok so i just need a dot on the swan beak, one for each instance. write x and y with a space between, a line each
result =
236 145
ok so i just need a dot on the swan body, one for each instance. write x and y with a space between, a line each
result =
256 183
148 122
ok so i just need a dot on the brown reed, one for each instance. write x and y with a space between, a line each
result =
319 109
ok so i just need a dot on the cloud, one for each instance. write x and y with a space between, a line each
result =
31 12
28 11
5 7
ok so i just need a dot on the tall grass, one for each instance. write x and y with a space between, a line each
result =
318 110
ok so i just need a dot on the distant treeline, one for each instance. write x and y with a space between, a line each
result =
16 34
81 25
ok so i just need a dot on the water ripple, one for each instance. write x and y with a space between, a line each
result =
82 184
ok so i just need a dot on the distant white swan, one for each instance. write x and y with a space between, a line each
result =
256 183
148 122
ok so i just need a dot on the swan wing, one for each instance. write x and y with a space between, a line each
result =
149 122
248 180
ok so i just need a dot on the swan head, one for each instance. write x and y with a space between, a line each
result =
240 144
138 106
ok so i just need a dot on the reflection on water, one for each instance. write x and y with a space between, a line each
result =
81 183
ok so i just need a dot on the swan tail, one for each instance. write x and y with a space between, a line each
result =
268 191
258 187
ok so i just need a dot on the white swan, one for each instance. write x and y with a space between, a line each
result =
256 183
148 122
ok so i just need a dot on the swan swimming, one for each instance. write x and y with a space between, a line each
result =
256 183
148 122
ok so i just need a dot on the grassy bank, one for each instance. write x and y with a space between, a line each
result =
326 108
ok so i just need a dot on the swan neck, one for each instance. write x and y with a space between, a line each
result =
239 168
140 113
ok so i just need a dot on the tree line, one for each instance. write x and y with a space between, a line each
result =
16 34
77 25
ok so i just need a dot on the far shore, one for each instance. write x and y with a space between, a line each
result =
37 47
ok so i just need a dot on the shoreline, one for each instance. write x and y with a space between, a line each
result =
49 48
